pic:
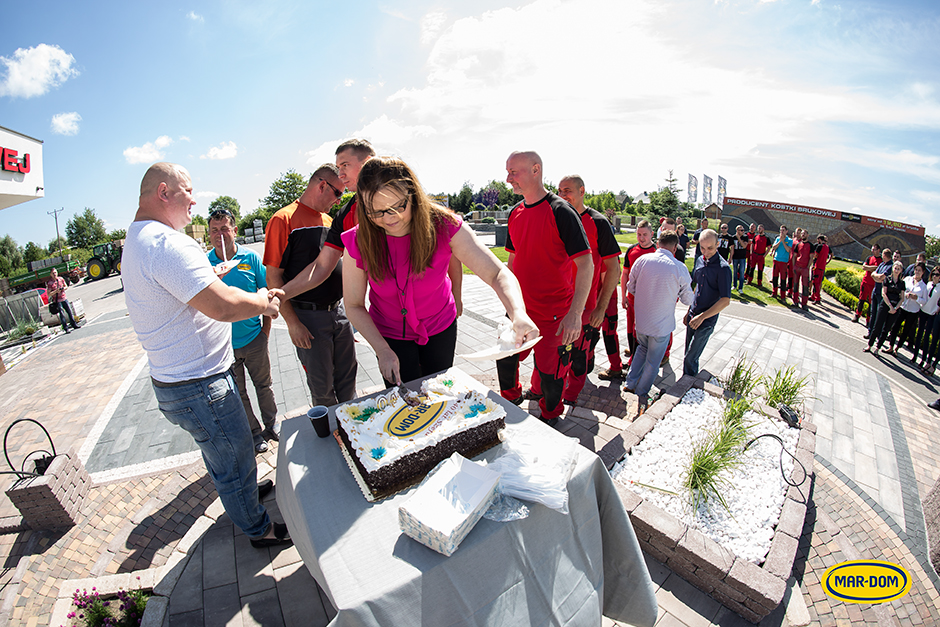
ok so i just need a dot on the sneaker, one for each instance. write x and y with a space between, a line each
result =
934 405
281 536
740 290
260 445
551 422
610 375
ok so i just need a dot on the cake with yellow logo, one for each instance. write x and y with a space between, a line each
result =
391 445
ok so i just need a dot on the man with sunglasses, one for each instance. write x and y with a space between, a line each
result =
249 336
315 318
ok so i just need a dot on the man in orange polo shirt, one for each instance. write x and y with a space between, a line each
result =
315 318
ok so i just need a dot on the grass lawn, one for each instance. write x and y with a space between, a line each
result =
752 294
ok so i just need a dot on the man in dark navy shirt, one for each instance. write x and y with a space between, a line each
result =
712 279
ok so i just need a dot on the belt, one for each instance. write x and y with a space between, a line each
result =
161 384
301 304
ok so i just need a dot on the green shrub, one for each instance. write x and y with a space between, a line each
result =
849 281
843 297
488 221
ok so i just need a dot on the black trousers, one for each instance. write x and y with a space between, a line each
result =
416 361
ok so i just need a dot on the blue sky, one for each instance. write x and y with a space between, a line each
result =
826 104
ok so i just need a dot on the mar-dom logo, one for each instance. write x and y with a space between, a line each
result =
866 581
410 421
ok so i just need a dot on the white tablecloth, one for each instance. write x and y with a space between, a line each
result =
548 569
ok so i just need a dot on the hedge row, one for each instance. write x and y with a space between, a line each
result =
849 281
843 297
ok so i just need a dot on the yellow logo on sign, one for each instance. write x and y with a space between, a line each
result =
409 421
866 581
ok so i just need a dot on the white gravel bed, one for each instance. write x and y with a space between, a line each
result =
755 490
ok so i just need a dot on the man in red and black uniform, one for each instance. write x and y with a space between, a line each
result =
823 255
605 253
316 319
759 246
751 234
546 242
868 283
802 258
350 155
644 246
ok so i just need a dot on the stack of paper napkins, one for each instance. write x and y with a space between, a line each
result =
449 502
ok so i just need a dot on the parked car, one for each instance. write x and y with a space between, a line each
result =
42 295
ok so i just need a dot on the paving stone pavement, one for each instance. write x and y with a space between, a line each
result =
876 444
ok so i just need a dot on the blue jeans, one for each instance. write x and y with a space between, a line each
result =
649 354
65 307
740 267
211 411
695 341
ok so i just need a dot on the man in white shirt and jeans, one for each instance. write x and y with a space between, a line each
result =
180 311
656 281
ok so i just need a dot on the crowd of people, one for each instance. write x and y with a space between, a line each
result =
204 320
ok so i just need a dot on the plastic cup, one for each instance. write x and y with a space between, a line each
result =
320 419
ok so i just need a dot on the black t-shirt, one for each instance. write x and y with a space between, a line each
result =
740 247
725 244
684 241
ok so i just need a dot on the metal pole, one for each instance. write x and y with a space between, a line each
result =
55 214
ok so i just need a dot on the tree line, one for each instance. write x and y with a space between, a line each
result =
83 231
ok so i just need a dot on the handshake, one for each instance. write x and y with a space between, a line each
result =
273 297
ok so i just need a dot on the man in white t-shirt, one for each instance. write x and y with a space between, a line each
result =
180 311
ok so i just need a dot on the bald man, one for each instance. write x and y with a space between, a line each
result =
181 312
605 253
550 255
712 279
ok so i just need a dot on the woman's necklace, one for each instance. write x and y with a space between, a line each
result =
401 291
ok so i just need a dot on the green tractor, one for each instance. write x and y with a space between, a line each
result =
107 257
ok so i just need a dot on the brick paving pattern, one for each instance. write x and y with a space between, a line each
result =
878 458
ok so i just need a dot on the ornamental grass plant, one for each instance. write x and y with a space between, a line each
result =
719 451
743 377
785 388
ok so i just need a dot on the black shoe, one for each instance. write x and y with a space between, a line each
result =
529 395
281 536
516 401
551 422
271 435
934 405
569 403
264 488
260 445
865 337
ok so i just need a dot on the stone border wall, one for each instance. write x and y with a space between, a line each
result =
749 590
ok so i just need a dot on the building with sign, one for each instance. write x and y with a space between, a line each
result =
20 168
850 235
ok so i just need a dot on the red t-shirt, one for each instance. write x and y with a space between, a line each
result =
633 253
802 253
346 219
760 245
872 261
603 246
545 237
822 256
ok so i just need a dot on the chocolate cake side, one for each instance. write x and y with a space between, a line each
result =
410 469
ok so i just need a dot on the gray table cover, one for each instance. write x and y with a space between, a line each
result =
548 569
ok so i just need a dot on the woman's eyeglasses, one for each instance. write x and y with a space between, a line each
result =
399 209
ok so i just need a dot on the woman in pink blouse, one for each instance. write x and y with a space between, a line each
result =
401 249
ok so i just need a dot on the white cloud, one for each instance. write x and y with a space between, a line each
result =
225 150
210 195
431 26
195 17
388 137
66 123
34 71
149 152
184 138
349 82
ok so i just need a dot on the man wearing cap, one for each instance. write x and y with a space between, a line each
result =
315 318
249 336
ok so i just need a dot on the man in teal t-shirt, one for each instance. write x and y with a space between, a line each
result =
781 252
249 337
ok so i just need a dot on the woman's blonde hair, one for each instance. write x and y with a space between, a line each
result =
427 218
